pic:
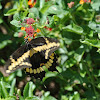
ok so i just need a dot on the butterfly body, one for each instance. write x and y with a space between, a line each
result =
33 56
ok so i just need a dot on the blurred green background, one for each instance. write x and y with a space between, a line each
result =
76 24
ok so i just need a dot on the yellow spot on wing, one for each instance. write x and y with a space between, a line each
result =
27 70
46 65
32 51
51 61
20 59
51 57
23 57
52 54
41 64
49 64
38 71
8 71
31 71
25 64
46 53
46 40
41 69
40 48
10 67
34 71
12 60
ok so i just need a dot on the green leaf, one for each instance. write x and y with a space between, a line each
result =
63 50
10 12
95 5
76 96
11 77
10 98
28 89
74 28
43 21
31 15
16 34
82 70
0 91
35 11
4 43
61 4
46 94
49 98
12 87
16 23
68 88
16 17
2 61
49 74
92 42
0 6
94 26
42 2
67 40
79 53
23 15
71 62
45 7
6 85
54 9
63 97
32 98
25 3
19 73
63 15
63 59
56 19
1 20
4 91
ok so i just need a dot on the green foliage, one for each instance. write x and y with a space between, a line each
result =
28 90
77 29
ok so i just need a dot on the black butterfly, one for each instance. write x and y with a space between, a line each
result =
33 56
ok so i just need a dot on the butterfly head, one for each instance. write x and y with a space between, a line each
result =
27 40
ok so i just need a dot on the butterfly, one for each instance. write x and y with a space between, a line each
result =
33 56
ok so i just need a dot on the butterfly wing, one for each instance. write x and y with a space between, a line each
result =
38 61
33 56
46 46
19 59
44 56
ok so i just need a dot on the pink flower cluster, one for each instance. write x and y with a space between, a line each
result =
30 31
30 21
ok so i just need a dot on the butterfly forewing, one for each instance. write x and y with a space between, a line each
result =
45 45
19 59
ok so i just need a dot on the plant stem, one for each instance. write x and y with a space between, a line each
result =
91 79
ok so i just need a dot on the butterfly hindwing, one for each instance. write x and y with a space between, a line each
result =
37 69
53 59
